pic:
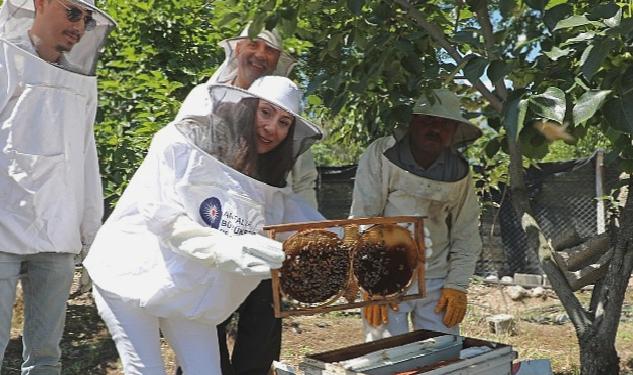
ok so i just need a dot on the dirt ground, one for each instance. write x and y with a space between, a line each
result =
542 331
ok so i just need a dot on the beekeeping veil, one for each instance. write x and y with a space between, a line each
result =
17 16
229 133
445 104
228 70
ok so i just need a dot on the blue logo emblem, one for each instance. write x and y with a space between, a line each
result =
211 212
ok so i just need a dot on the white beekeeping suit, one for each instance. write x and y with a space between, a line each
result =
185 240
304 174
51 202
51 197
387 184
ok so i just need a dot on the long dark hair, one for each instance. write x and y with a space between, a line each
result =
271 167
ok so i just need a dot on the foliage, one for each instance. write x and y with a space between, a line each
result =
369 58
155 55
158 52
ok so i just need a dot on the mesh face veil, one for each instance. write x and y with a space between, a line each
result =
16 19
229 134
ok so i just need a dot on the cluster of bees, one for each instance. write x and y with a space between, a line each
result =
320 266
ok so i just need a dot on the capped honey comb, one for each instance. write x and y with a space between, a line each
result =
385 259
316 267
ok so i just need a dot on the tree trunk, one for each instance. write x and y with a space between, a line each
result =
598 357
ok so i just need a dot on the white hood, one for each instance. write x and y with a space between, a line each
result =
16 18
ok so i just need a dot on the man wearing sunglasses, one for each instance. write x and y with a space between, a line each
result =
50 191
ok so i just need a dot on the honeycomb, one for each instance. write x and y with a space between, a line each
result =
316 267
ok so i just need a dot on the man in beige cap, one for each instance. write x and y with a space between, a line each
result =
419 172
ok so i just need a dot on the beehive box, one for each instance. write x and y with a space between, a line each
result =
285 305
442 359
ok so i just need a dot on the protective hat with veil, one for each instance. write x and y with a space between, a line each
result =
228 70
198 102
229 133
445 104
17 16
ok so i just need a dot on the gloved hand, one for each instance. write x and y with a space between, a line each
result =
377 315
250 254
454 302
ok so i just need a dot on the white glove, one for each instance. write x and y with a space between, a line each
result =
428 244
248 254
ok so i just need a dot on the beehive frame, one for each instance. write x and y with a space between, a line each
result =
418 237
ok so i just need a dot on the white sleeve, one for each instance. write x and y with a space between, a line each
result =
8 79
304 177
93 191
369 197
166 217
466 242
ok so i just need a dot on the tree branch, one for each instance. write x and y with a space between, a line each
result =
483 16
620 270
440 38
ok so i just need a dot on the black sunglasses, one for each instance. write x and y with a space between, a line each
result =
74 14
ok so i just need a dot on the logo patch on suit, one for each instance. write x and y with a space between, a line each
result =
211 212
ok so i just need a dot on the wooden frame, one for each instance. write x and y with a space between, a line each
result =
418 236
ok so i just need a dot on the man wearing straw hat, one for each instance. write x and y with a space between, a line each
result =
51 200
419 172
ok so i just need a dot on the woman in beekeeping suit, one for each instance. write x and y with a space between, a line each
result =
246 60
184 245
51 201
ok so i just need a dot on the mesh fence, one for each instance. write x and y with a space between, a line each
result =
563 197
565 204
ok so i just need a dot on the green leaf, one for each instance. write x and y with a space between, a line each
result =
474 4
614 21
271 22
314 100
593 57
618 113
550 105
498 70
574 21
229 17
580 38
492 147
556 53
475 68
554 15
465 14
412 64
553 3
588 104
603 11
507 7
355 6
514 115
257 25
536 4
469 36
